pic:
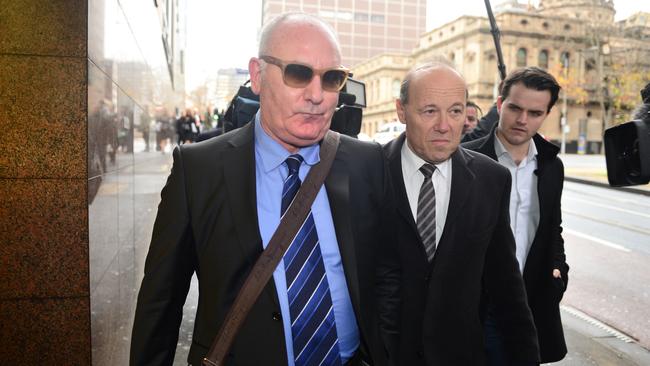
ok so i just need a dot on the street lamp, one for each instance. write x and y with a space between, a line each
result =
563 119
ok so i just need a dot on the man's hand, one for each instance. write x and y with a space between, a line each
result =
556 273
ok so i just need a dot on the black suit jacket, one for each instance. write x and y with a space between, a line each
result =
207 222
547 251
441 301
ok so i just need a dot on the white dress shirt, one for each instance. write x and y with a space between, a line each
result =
413 179
524 201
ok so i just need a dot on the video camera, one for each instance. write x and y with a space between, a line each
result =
627 148
346 120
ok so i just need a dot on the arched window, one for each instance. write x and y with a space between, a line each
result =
395 88
565 58
522 55
543 59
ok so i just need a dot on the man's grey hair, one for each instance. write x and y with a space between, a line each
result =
434 63
266 35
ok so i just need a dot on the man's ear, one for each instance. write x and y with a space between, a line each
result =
255 72
499 103
400 111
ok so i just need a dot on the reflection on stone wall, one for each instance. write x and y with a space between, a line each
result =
129 90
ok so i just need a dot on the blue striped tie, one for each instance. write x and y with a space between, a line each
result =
313 328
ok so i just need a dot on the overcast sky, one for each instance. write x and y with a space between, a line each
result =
223 33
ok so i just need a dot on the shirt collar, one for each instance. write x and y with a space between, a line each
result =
412 163
501 151
273 154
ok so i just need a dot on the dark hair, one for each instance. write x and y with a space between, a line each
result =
532 78
475 106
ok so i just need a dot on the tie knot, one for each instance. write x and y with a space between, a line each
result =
427 170
293 163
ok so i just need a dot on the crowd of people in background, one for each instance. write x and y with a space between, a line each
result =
126 129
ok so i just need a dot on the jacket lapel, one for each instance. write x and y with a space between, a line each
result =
461 179
487 147
239 174
394 153
337 186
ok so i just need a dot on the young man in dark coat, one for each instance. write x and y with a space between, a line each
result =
527 96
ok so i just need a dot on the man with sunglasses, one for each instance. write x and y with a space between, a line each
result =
223 201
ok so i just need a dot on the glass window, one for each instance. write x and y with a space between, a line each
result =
395 88
361 17
543 59
377 18
522 56
565 58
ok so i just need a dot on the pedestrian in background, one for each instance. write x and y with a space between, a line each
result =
472 115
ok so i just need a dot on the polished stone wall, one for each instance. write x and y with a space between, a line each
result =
81 85
44 292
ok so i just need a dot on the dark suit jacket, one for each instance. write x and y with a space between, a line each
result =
207 222
441 320
547 251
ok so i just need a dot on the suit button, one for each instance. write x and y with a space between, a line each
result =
426 278
276 316
420 354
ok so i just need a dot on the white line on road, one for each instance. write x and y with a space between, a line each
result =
608 206
606 222
597 240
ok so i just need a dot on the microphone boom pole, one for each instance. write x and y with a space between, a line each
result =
496 35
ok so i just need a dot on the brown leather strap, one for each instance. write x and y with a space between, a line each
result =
272 255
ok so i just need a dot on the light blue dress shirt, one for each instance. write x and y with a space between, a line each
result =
270 173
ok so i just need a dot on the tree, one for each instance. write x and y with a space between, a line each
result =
624 81
572 83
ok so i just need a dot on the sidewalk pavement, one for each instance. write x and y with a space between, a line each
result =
592 169
591 342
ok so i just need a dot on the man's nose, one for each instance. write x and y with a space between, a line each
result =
523 117
443 123
314 90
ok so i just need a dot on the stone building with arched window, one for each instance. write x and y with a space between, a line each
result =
579 38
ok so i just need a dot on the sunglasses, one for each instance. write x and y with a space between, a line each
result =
298 75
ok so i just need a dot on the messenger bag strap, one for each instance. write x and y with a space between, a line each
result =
272 255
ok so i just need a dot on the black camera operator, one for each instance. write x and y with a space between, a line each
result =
627 147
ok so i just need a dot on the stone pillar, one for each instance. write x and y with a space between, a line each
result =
44 281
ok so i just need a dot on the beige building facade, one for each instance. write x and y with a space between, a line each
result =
582 33
365 28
